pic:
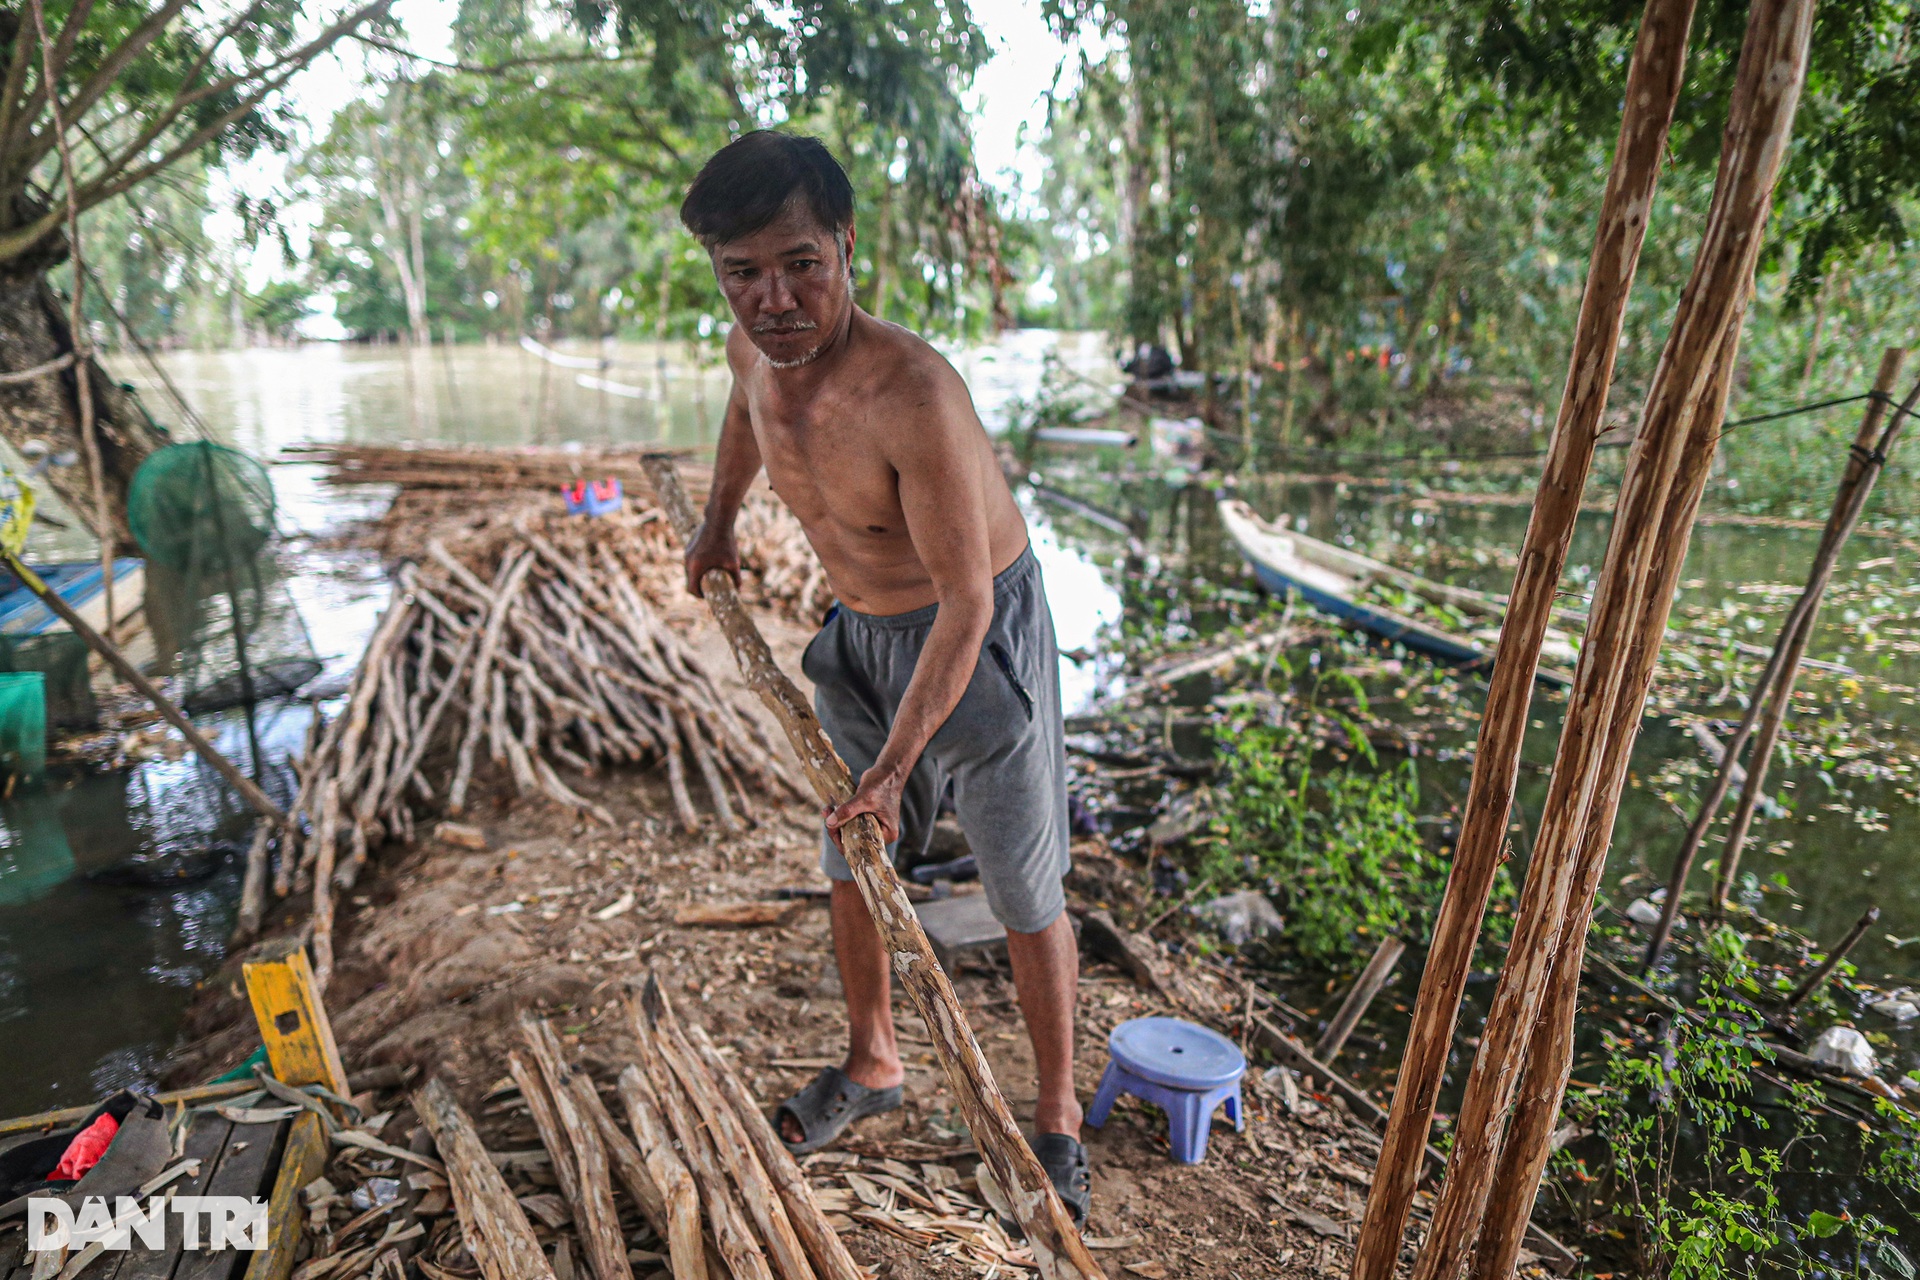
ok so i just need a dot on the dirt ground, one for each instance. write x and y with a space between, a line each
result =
442 947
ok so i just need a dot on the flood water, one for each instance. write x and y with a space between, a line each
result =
94 972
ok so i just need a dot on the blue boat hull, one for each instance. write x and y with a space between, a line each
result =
1359 616
79 582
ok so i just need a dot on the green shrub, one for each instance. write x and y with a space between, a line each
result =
1337 848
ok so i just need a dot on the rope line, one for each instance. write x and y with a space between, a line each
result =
1384 459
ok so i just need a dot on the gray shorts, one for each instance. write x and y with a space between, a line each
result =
1002 748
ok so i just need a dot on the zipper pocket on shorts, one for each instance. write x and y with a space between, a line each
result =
1004 661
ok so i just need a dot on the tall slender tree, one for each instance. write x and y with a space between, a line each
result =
96 100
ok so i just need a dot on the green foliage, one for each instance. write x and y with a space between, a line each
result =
587 129
143 89
280 307
1377 203
1338 848
1706 1175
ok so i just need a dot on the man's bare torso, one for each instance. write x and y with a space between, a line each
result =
832 453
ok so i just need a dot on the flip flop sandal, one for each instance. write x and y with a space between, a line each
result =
1065 1161
828 1105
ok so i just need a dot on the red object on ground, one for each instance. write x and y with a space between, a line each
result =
85 1150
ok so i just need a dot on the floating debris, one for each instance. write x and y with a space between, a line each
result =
1844 1049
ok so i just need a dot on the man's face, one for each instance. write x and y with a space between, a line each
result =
788 285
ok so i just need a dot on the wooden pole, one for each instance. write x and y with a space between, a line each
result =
1832 962
491 1220
824 1246
732 1235
670 1175
577 1145
1057 1248
1659 498
1372 978
249 792
1768 734
1653 87
1799 622
730 1142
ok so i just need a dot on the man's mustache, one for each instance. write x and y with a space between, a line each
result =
785 326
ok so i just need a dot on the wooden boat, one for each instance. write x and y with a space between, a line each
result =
81 584
1333 580
1102 437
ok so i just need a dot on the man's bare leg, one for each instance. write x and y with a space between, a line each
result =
1046 976
873 1056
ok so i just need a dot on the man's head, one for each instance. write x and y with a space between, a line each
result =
775 213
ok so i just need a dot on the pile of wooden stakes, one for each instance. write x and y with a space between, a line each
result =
702 1165
470 467
438 488
538 648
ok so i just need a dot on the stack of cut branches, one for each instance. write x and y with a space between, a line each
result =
467 467
438 488
546 656
700 1163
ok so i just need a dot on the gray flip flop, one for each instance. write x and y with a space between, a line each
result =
828 1105
1065 1161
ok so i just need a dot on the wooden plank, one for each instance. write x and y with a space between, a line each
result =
304 1157
13 1252
45 1121
244 1171
207 1142
293 1021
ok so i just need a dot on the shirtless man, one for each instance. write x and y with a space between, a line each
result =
937 663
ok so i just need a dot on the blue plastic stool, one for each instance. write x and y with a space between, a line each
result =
1183 1069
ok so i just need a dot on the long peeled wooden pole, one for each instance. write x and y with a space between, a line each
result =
1549 1046
1659 497
1861 466
1771 723
1057 1248
829 1253
591 1197
758 1196
1653 87
204 748
681 1198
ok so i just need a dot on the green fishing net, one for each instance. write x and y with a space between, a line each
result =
223 621
60 659
23 723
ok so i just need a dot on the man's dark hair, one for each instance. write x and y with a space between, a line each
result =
748 182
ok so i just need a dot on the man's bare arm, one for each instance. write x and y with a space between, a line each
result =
944 500
736 462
